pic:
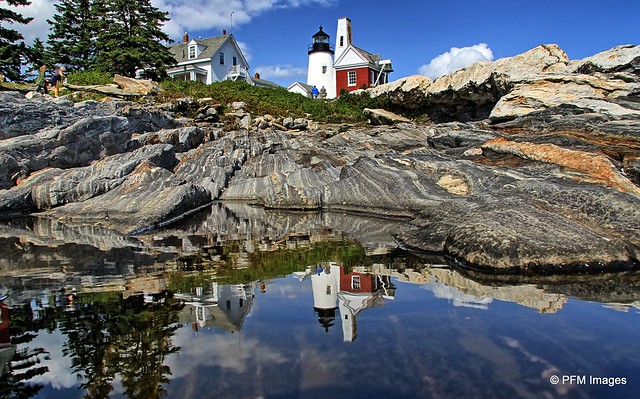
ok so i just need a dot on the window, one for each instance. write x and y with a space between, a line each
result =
351 78
192 52
328 290
235 61
355 282
372 77
341 41
221 58
324 69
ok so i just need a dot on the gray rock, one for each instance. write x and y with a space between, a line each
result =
383 117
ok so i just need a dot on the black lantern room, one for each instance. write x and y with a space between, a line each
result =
320 42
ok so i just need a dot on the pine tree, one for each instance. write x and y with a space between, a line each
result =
130 37
12 46
72 41
38 55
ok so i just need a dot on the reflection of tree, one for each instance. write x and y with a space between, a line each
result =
26 362
125 337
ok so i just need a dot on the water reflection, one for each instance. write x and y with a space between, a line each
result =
248 303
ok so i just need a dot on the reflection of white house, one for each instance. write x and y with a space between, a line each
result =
208 60
222 306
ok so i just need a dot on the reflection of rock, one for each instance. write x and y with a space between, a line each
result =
462 291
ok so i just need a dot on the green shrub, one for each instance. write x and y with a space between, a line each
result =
89 77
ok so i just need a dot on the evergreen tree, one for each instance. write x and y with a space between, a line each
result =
130 37
72 41
38 55
12 46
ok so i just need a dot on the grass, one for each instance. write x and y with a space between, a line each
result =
276 102
280 103
266 265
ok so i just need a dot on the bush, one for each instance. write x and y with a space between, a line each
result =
89 77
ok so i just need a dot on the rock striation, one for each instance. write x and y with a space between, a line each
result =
532 167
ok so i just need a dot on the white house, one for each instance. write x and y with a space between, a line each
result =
208 60
300 88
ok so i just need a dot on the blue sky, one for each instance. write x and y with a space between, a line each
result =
275 33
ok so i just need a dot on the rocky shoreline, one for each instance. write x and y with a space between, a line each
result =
530 165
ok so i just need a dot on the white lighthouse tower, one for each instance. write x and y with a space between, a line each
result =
320 72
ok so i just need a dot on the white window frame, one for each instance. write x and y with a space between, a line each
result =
324 69
221 58
355 282
352 78
193 51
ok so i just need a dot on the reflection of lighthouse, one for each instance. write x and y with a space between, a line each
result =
325 283
349 293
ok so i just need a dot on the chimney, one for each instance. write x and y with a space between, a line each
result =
224 32
257 75
185 38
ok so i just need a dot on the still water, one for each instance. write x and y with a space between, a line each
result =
243 303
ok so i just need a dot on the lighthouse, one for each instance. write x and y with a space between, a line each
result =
320 72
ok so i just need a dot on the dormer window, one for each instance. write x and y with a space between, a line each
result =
193 51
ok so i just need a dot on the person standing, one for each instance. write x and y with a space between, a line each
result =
57 80
314 92
41 81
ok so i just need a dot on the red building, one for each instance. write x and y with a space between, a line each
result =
354 67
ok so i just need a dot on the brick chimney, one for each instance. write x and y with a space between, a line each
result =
224 32
257 75
185 38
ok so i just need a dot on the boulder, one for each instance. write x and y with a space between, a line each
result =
383 117
148 197
141 86
618 59
408 93
470 93
586 93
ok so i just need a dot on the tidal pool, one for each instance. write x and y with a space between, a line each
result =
242 303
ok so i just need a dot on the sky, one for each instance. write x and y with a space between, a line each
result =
426 37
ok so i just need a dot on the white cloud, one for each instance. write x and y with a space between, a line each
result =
280 71
200 15
246 50
194 15
456 58
40 10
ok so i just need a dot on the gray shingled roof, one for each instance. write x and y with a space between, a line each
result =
180 51
372 58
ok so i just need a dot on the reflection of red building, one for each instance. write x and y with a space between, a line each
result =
7 351
358 282
5 338
352 292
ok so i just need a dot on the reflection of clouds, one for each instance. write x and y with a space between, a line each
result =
228 351
549 369
318 369
291 289
59 375
456 297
